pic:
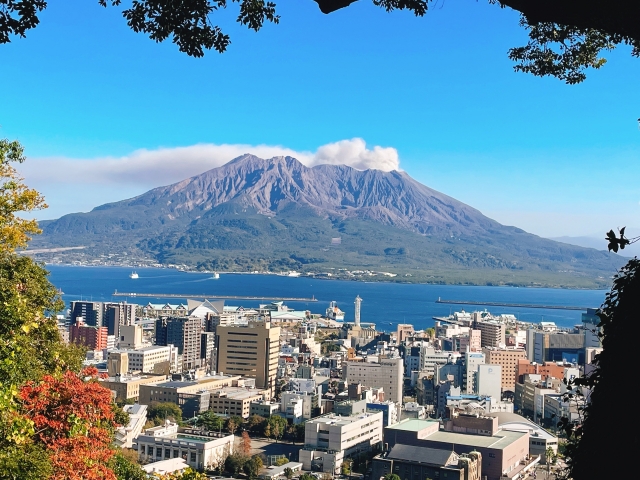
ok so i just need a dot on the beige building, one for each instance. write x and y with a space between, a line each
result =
388 374
508 360
249 350
128 387
492 333
169 391
404 331
331 438
236 400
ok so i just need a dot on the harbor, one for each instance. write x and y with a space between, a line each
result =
510 305
212 297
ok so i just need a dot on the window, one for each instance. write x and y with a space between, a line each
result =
176 453
193 457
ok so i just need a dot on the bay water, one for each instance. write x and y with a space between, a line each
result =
385 304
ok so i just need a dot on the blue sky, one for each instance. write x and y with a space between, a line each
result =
84 91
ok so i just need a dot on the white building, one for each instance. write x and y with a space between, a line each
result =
490 381
199 449
388 374
330 439
472 360
431 359
306 398
145 359
125 434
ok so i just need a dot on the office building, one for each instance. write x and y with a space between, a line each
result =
470 373
503 453
490 381
117 314
199 449
183 333
91 313
130 337
330 439
127 387
409 461
125 434
388 374
250 350
508 361
555 347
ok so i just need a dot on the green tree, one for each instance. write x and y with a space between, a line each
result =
288 473
235 463
565 36
275 427
158 412
126 467
210 421
391 476
252 467
345 469
307 476
233 423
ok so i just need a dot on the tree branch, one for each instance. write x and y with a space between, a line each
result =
615 17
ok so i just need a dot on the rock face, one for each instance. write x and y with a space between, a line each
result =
279 207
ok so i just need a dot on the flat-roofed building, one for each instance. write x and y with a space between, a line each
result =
127 387
236 401
168 391
125 434
408 461
388 374
200 449
508 361
503 452
492 333
331 438
250 350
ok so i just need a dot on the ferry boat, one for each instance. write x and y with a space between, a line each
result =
334 313
133 275
215 276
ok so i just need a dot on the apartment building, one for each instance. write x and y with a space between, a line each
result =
388 374
91 313
169 391
94 338
125 387
492 333
250 350
184 333
118 314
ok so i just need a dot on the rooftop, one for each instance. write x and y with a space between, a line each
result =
332 419
412 425
501 440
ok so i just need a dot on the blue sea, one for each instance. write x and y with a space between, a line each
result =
385 304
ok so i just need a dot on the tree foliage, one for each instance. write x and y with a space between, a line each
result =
15 196
598 392
565 37
56 421
158 412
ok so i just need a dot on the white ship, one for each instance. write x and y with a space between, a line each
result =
334 313
215 276
133 275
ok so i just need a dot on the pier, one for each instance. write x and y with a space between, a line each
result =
510 305
211 297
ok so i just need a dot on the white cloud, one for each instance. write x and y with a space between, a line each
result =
164 166
75 184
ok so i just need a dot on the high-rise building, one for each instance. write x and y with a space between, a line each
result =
491 333
508 360
94 338
117 314
184 333
250 350
130 336
404 330
388 374
470 375
91 313
490 381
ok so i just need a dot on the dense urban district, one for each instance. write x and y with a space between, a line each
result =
276 393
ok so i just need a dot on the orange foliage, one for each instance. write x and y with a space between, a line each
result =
73 418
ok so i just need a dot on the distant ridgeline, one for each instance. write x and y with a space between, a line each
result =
278 215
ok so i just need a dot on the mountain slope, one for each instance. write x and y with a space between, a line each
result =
276 214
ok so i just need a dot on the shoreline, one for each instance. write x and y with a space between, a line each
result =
327 278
